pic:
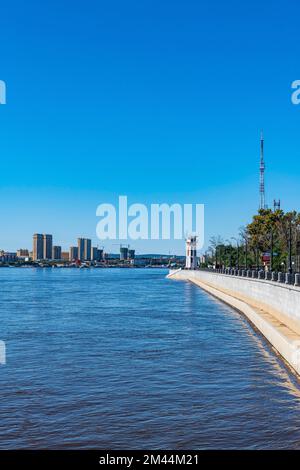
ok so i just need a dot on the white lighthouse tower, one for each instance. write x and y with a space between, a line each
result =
191 252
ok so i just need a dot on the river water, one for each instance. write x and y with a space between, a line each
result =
127 359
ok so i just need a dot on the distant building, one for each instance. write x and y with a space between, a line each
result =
191 252
73 253
123 253
84 249
47 249
131 254
81 249
38 247
56 252
95 254
42 246
22 253
87 249
65 255
7 257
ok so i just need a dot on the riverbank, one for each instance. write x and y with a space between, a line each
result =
272 308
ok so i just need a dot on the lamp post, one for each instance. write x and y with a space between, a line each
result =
272 249
297 252
290 269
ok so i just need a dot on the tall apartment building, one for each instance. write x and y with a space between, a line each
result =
47 239
42 246
87 249
38 247
84 249
73 253
81 249
56 252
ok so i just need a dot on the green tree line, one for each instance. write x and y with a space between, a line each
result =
271 235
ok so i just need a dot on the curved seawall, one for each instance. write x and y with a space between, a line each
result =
274 309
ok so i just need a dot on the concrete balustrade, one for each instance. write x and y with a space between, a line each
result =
274 276
287 278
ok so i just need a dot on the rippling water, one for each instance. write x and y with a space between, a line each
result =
128 359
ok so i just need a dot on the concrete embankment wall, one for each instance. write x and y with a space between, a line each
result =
273 308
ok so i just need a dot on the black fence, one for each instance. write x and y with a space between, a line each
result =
274 276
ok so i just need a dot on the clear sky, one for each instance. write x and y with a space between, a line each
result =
159 100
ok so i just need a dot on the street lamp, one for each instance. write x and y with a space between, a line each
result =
290 270
272 250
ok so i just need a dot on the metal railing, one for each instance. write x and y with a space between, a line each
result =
274 276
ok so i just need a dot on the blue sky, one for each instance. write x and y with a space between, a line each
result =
109 98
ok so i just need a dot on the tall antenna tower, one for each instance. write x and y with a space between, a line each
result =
262 174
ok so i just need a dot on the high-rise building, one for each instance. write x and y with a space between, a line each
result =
87 249
56 252
81 249
84 249
47 246
73 253
42 246
38 247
